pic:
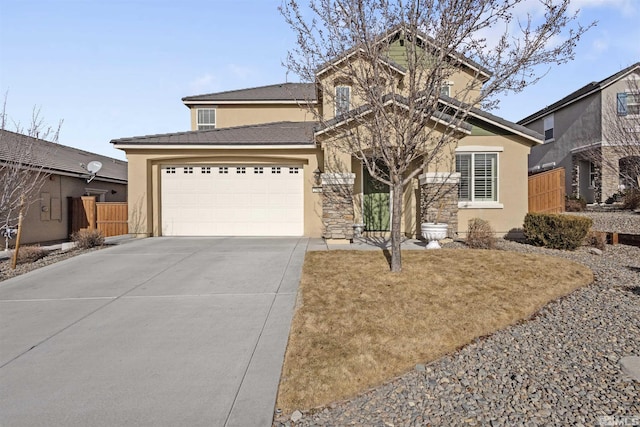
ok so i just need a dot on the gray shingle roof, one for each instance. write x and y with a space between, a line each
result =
58 158
300 92
584 90
279 133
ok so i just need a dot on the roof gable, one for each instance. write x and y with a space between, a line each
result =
395 62
584 91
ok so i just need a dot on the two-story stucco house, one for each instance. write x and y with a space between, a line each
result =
584 132
256 162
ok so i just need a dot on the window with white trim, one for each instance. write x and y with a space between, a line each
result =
445 89
343 100
548 128
478 177
206 118
628 103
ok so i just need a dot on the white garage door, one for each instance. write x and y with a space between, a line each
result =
234 200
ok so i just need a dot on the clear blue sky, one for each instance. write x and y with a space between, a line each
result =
119 68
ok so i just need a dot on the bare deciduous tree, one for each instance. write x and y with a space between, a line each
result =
399 121
620 156
22 171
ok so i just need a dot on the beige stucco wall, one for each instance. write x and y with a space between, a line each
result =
145 191
248 114
463 83
512 185
48 212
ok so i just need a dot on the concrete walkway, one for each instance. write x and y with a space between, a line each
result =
159 331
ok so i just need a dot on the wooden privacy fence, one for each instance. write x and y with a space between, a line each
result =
108 217
546 191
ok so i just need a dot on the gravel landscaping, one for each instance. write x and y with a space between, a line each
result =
559 368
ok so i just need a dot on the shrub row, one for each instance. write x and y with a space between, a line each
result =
556 231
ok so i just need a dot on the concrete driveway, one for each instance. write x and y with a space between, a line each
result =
155 332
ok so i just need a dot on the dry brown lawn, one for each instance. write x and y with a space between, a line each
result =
358 325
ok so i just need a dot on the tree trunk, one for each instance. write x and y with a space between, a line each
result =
396 224
14 261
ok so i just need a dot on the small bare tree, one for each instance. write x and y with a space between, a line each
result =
621 132
22 171
399 121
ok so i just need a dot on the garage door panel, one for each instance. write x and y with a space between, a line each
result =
232 204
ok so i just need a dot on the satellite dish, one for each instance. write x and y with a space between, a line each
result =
94 166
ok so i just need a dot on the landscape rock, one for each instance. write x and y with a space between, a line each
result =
562 367
296 416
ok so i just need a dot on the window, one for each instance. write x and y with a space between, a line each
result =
293 170
548 128
188 169
259 169
275 170
223 169
171 170
593 173
445 89
206 119
478 177
205 169
241 170
343 99
628 103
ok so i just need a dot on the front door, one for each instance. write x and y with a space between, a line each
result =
376 203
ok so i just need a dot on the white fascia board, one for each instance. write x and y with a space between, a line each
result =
389 102
587 147
287 102
478 148
344 58
501 126
209 147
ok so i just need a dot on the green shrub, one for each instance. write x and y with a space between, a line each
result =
29 254
575 204
86 239
480 235
631 199
556 231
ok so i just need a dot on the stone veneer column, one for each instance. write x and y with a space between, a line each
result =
337 205
439 192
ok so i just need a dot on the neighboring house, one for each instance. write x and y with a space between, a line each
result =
66 173
255 163
585 133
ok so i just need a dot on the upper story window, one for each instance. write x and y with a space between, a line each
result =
478 177
343 99
445 89
628 103
548 128
206 118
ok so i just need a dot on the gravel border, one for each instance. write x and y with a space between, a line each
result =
559 368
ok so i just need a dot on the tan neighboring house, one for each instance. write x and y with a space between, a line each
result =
255 163
66 173
584 132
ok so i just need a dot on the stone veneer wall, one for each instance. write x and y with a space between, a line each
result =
440 192
337 206
575 173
